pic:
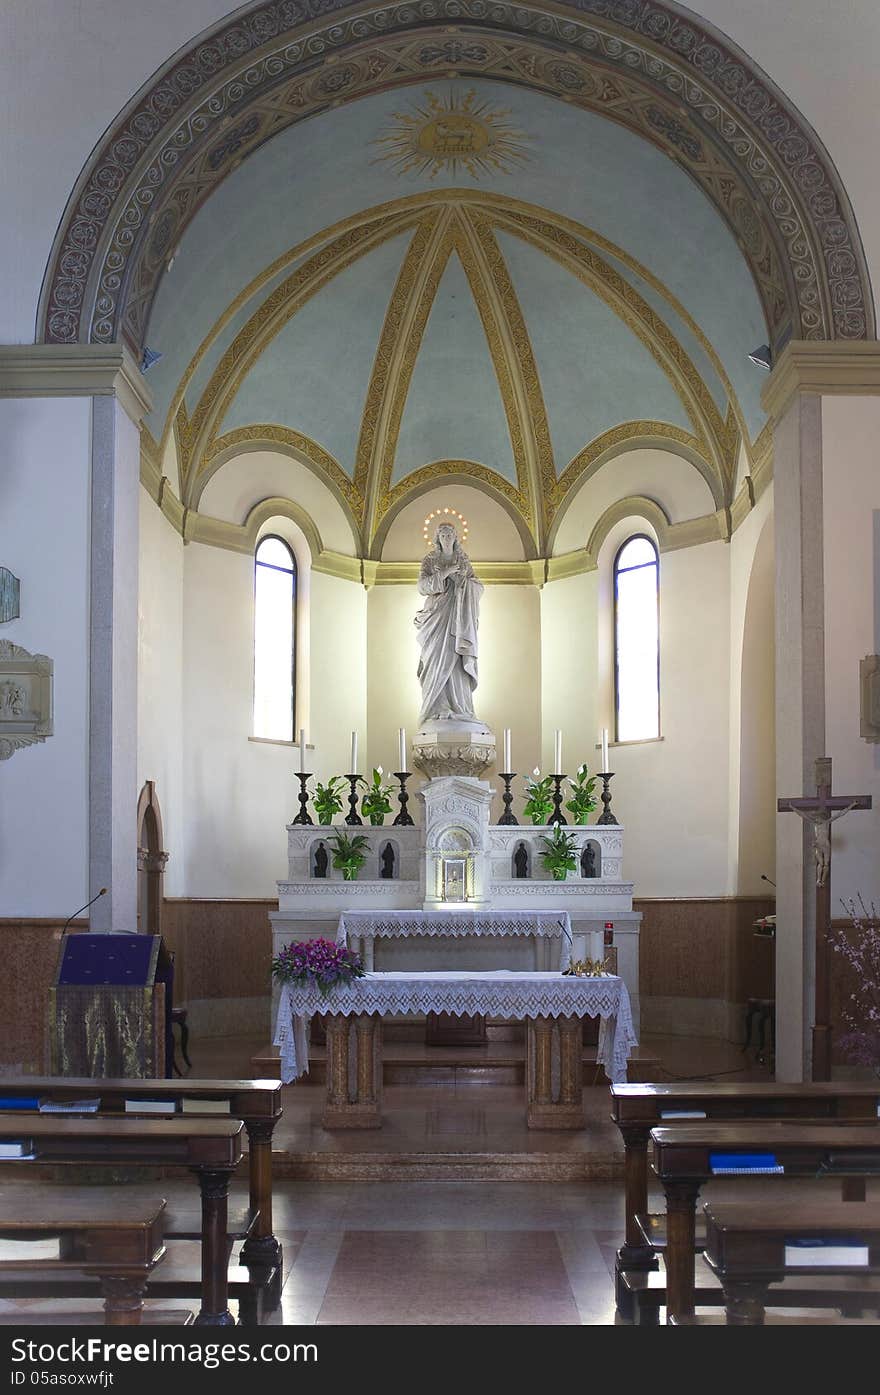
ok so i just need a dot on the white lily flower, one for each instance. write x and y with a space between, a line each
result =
379 770
536 773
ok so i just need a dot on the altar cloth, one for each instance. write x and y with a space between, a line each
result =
496 993
458 924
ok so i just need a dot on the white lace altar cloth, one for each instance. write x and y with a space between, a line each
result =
404 924
499 993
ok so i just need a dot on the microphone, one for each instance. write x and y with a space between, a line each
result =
102 892
767 879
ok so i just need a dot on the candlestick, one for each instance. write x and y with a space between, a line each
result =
401 747
557 759
403 817
303 815
604 748
354 751
302 750
606 816
353 816
507 816
557 816
507 760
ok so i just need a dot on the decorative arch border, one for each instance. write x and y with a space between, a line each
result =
649 66
464 472
635 506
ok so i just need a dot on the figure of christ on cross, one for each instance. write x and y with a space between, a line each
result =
821 810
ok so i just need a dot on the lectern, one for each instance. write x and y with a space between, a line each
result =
110 1007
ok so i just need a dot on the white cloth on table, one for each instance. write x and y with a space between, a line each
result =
499 993
457 924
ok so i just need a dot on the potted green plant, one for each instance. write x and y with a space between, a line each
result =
327 799
539 798
375 803
349 852
582 801
558 853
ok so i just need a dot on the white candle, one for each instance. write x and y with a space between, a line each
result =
557 768
508 768
354 754
302 750
605 770
401 754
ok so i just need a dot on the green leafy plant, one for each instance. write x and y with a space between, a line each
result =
349 852
376 803
327 799
539 798
583 801
558 853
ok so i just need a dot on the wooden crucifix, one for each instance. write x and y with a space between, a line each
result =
821 811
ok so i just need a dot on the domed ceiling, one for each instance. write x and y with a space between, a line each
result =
469 281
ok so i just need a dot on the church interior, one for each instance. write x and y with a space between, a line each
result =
439 531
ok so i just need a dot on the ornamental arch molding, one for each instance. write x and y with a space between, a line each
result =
654 68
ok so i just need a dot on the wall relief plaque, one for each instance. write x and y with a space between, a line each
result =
25 698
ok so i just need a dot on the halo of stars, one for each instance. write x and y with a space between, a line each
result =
444 515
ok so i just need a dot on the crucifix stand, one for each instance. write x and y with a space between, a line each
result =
821 811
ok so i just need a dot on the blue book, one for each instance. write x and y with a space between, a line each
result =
19 1102
735 1163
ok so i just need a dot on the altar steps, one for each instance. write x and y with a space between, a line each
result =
498 1063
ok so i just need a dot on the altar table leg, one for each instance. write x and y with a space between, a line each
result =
567 1111
353 1103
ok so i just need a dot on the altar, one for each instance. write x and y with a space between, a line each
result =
552 1005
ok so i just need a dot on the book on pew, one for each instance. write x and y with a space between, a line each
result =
151 1106
14 1102
16 1148
191 1105
818 1253
70 1106
734 1164
683 1114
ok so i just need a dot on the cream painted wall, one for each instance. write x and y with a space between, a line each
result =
44 540
248 479
752 702
569 645
240 794
850 430
671 481
160 680
671 795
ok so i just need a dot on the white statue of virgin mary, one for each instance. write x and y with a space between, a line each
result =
447 627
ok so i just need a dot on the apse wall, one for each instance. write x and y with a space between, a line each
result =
240 793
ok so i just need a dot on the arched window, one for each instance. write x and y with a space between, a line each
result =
637 640
274 640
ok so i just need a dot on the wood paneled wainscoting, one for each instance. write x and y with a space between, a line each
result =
699 960
222 957
30 958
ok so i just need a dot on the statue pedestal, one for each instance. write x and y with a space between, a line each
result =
453 747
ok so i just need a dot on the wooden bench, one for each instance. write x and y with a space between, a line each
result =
749 1248
638 1108
682 1160
209 1147
257 1103
113 1238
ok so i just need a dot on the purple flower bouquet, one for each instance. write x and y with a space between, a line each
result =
316 961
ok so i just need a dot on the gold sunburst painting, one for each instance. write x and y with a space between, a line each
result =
452 133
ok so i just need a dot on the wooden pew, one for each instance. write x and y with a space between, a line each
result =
113 1238
747 1247
257 1103
682 1162
638 1108
209 1147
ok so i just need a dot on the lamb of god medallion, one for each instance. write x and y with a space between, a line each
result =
452 134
